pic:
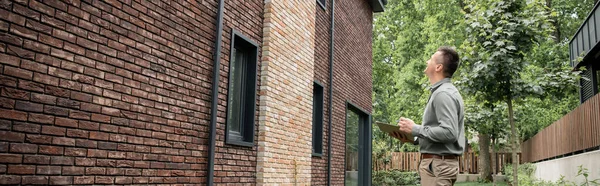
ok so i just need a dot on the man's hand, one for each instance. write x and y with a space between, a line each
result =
397 135
406 125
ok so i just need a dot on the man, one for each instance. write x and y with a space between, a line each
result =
441 137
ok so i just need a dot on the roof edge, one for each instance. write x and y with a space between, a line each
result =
378 5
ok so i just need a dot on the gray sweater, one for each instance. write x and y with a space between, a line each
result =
443 129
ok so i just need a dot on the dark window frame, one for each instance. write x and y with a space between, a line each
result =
588 88
247 102
317 121
365 142
322 4
597 80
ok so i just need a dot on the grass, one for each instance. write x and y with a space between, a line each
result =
476 184
480 184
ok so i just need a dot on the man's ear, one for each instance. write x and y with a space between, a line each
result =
439 68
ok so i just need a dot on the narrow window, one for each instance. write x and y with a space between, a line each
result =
241 98
317 124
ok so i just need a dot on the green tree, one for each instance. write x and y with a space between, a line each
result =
552 57
394 65
408 32
405 36
489 123
500 34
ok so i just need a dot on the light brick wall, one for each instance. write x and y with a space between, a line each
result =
285 112
322 36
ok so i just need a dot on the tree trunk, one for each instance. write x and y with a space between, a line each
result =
515 142
494 163
484 157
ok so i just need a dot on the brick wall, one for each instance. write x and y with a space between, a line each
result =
352 72
118 92
236 165
284 147
114 92
321 68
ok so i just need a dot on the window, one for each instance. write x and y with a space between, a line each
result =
317 124
587 90
321 3
358 146
597 81
353 121
241 97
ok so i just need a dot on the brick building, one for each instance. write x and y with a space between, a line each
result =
185 92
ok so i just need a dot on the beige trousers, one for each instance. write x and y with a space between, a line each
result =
438 172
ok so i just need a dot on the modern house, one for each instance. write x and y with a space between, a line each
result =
573 141
203 92
584 45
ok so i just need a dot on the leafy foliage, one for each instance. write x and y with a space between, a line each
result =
515 49
487 120
526 177
405 36
501 34
389 178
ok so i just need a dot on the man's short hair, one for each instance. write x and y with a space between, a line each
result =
449 60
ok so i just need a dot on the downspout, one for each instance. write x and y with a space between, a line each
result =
331 42
215 95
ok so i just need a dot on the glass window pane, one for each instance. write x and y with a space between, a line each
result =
235 93
241 92
598 80
314 131
352 123
317 125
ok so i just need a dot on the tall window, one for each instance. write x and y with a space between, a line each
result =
317 124
241 98
358 146
353 121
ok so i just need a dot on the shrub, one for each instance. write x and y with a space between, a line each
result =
525 174
526 177
395 177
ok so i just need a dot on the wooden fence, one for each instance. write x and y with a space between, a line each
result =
468 163
577 131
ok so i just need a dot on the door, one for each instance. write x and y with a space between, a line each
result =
358 147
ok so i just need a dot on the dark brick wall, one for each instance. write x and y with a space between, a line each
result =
115 92
321 69
118 92
352 76
236 164
352 72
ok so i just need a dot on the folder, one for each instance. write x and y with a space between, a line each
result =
395 129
